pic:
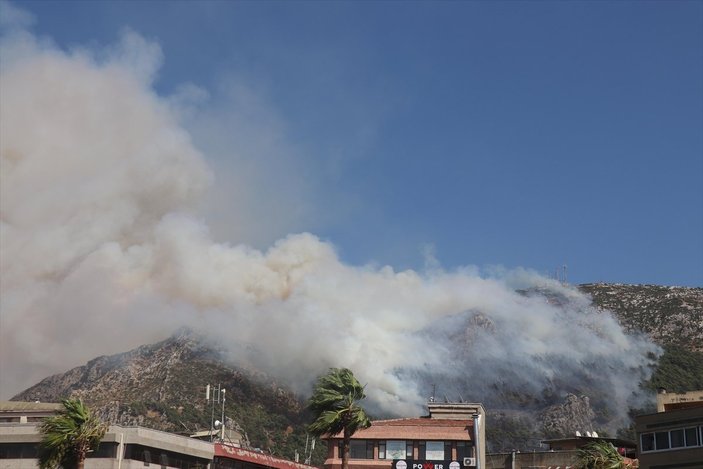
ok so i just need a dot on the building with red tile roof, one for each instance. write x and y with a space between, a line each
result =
451 433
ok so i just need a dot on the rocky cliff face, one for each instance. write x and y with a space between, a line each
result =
162 386
574 414
669 315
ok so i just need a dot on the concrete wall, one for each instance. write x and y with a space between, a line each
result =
541 460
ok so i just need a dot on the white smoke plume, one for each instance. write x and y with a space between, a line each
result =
102 250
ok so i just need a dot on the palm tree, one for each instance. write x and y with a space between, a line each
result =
68 436
599 455
335 408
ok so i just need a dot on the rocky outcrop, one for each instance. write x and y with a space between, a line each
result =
668 315
573 415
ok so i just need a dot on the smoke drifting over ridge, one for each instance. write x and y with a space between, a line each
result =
101 251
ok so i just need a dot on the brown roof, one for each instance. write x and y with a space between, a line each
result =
415 429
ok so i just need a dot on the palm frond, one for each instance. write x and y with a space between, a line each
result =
599 455
69 435
334 404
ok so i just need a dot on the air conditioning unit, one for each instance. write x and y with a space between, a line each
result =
469 461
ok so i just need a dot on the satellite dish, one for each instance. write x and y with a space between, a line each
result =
217 423
595 435
588 434
578 433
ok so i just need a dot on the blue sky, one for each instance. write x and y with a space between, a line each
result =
530 134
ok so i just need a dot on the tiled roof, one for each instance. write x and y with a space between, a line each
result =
416 429
257 458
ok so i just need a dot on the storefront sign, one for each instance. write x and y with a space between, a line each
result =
424 464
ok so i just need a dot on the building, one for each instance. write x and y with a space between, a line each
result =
121 448
667 401
627 448
26 412
451 435
130 447
229 456
672 437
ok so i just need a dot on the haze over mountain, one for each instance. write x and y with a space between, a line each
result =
161 385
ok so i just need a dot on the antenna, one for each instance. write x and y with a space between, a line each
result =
308 455
212 399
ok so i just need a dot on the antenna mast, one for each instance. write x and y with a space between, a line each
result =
217 394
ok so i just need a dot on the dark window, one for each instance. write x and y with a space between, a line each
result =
381 450
165 458
692 437
409 450
105 450
647 441
447 450
462 451
422 450
361 449
18 451
662 440
677 438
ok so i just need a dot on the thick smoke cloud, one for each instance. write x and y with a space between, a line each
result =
102 250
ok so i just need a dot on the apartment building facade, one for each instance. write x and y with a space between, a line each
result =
673 437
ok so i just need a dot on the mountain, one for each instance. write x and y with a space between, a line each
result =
671 316
162 385
668 315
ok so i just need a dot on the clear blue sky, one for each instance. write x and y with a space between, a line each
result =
527 133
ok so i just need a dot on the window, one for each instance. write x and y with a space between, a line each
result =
18 451
647 441
692 436
409 450
381 450
448 449
434 450
462 450
672 439
397 449
677 438
662 440
361 449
